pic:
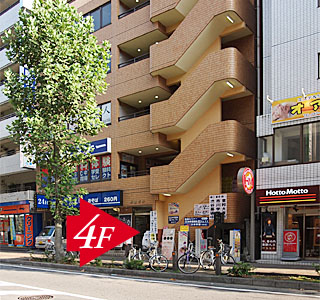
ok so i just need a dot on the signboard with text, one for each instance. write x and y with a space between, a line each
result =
290 195
291 247
201 210
296 108
217 203
204 221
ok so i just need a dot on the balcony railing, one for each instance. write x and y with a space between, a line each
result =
132 10
134 174
7 116
135 115
9 153
133 60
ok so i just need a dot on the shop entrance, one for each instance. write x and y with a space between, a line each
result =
309 230
142 224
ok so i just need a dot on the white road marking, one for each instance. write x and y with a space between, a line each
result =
113 276
38 291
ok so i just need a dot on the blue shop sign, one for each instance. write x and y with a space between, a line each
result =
105 199
204 221
43 202
101 146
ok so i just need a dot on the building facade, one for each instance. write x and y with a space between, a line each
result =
180 110
18 221
288 131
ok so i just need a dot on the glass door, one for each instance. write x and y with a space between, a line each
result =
312 237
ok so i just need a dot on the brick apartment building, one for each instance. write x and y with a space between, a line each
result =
180 109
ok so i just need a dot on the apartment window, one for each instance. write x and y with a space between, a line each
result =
265 150
311 142
106 113
101 16
287 144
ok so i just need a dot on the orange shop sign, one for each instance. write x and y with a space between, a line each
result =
29 230
15 209
296 108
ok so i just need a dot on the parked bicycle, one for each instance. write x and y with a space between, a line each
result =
189 262
208 257
156 261
50 251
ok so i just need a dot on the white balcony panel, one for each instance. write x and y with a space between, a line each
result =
17 196
288 176
26 3
9 18
4 61
4 133
11 165
3 98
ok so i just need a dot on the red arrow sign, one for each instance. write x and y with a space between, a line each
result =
95 232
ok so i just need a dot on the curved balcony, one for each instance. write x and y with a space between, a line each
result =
170 12
201 156
206 83
206 21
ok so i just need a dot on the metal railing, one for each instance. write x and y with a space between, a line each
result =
132 10
16 189
135 115
134 174
133 60
7 116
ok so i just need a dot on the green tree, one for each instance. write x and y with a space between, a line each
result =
54 99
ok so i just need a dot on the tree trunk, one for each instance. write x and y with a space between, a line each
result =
58 240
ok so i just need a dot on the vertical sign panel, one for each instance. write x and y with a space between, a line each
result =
95 170
84 172
29 230
106 167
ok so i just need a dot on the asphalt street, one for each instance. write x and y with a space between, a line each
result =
19 281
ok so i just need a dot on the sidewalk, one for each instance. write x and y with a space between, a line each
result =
267 269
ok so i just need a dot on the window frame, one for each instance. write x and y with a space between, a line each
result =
100 106
302 161
100 12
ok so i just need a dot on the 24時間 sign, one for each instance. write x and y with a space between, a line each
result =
291 195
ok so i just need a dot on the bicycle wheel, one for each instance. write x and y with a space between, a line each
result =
142 256
207 259
158 263
188 263
227 260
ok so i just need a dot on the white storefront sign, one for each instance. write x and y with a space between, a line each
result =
217 203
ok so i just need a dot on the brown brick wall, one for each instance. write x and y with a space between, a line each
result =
242 110
216 66
227 136
169 51
159 7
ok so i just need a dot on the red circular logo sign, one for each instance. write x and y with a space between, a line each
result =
289 237
248 180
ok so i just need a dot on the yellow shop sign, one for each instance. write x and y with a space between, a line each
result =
296 108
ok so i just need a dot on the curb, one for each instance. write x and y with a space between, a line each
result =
201 278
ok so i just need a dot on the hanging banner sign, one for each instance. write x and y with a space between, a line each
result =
153 222
296 108
168 242
269 232
84 172
29 230
95 170
106 167
182 242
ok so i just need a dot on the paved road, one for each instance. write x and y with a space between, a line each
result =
20 281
